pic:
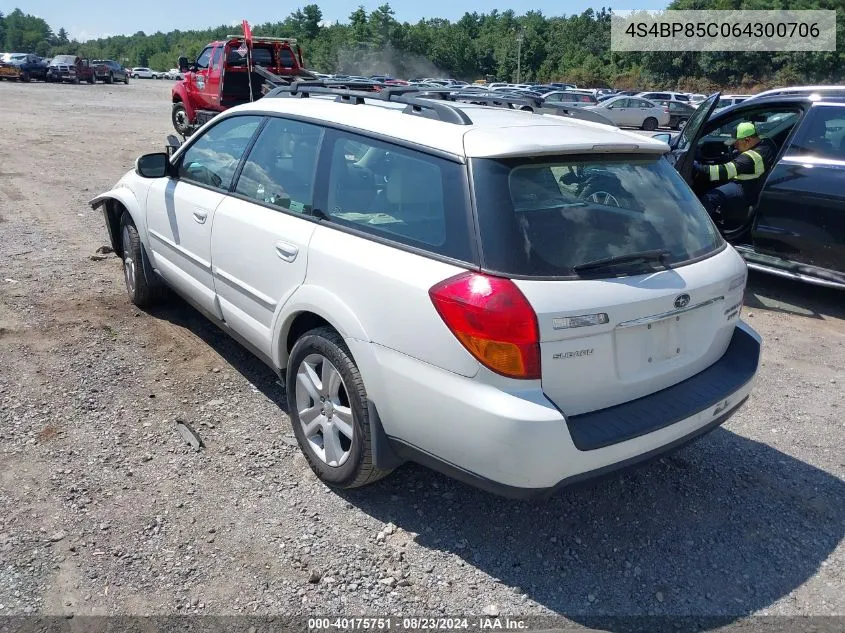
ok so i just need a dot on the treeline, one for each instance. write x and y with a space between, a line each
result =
497 45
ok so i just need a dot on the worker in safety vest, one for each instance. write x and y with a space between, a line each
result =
738 181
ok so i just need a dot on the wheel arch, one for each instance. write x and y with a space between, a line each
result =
114 203
179 94
308 307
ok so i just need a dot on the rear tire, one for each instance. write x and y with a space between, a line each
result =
332 408
110 78
142 285
92 79
650 124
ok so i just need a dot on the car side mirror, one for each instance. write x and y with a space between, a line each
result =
183 64
153 165
662 136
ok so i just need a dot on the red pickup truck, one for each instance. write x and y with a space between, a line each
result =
219 78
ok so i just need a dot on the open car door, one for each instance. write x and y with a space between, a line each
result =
683 147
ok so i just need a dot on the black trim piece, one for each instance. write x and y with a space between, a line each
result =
734 370
247 151
414 454
383 455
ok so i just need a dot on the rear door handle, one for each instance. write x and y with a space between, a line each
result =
287 251
200 215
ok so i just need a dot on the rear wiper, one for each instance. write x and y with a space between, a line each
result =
657 255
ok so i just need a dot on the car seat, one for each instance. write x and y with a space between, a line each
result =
351 188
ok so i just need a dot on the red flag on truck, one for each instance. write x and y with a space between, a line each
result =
247 34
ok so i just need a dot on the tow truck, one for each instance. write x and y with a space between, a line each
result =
229 72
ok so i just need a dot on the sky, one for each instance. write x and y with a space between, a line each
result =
89 19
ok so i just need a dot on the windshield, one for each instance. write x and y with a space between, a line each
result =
545 216
64 59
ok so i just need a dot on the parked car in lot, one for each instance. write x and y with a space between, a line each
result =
22 66
665 96
110 71
802 91
174 73
729 100
141 72
796 227
71 68
568 310
569 97
633 112
679 113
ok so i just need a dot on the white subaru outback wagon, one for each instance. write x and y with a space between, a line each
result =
518 300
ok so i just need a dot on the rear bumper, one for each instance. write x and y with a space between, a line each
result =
519 445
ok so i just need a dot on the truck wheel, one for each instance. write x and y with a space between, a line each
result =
327 405
75 79
110 78
126 79
142 285
181 123
25 76
92 79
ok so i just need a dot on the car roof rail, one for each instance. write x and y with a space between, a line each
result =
501 100
352 92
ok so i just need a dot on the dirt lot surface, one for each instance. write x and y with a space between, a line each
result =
105 510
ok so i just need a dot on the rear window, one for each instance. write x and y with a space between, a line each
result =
545 216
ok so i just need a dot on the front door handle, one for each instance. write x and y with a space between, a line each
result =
200 215
287 251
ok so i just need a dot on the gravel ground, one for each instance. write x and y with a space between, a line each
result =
105 510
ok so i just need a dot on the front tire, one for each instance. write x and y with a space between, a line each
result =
110 78
650 124
143 288
179 117
126 79
25 77
327 405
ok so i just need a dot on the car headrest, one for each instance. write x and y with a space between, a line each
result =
414 182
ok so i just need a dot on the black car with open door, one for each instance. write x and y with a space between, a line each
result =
796 227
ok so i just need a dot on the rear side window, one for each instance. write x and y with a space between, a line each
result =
400 194
822 134
281 165
545 216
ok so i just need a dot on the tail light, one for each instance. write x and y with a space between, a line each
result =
493 320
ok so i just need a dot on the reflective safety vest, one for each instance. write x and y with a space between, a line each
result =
749 165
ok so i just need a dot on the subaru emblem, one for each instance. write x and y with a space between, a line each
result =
681 301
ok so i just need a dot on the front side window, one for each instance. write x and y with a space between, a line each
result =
400 194
214 157
202 60
281 166
548 216
822 135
